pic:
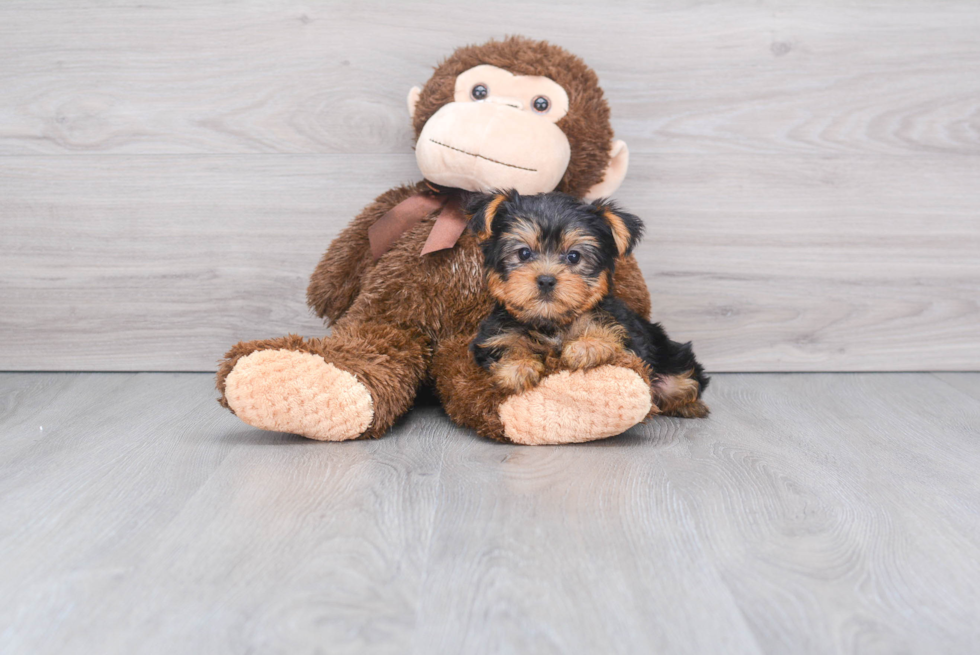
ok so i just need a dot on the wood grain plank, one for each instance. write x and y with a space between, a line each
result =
681 76
91 467
152 263
149 528
152 252
839 512
841 505
293 547
820 513
832 264
583 549
966 383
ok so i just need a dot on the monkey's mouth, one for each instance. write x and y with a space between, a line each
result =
473 154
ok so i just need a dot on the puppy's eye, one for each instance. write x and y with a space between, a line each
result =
573 257
480 92
541 104
524 254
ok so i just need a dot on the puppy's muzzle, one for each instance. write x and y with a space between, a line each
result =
546 284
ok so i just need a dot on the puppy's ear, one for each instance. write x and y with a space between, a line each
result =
626 228
482 209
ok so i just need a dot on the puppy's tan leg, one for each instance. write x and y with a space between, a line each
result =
517 373
592 342
521 365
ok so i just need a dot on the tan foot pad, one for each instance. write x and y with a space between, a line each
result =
289 391
576 406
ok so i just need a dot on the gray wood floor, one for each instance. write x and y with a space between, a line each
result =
812 513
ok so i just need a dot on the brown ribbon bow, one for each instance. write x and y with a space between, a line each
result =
450 222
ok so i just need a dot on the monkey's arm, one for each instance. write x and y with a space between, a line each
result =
337 279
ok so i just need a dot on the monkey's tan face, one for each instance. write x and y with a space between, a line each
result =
499 132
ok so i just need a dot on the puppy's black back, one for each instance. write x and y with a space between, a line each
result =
651 344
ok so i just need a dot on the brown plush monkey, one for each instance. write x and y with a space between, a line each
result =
507 114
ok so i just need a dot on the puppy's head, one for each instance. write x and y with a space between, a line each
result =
550 257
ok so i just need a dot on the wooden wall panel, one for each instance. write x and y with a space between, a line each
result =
822 78
170 174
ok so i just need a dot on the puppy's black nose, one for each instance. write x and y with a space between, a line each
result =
546 283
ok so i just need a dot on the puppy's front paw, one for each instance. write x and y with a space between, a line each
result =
518 375
589 353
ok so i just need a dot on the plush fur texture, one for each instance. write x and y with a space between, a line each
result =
405 320
316 399
390 363
562 409
408 320
586 124
550 260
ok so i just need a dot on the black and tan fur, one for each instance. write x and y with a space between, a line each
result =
550 261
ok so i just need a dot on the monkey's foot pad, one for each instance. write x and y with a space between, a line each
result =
289 391
576 406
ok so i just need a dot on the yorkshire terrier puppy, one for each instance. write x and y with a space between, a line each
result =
549 262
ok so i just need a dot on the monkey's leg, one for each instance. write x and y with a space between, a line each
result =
352 384
565 407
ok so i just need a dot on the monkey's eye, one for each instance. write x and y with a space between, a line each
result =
524 254
480 92
541 104
573 257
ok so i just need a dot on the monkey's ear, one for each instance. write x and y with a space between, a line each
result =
482 209
413 99
619 162
626 228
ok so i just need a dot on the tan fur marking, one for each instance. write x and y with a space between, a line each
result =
593 341
584 354
502 340
522 298
697 409
527 232
496 286
678 395
490 213
596 325
517 374
522 364
573 294
576 295
518 341
577 238
620 232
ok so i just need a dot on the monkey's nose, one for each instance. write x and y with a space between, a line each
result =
504 100
546 283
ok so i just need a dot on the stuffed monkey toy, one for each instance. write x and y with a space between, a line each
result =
403 285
